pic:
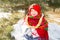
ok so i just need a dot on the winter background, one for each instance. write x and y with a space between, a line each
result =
12 11
53 22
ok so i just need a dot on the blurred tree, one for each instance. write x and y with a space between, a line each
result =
15 5
54 4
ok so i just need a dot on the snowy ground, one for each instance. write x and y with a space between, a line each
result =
54 25
7 14
4 15
53 30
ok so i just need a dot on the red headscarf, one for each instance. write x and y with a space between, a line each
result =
34 21
35 7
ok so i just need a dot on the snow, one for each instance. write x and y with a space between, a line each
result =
53 31
22 11
53 28
7 14
4 14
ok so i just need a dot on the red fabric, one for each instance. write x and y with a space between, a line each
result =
41 31
34 21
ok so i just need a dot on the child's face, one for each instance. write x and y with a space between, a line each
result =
34 12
